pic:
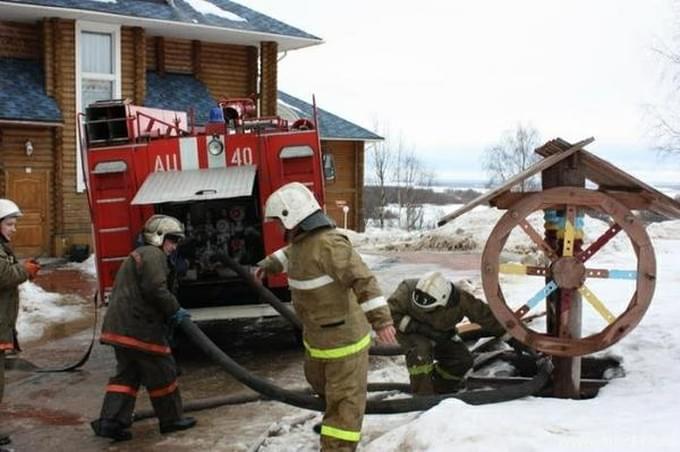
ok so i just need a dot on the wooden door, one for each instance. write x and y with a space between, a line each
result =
30 190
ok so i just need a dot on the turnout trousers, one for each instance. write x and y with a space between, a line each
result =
158 373
342 383
434 367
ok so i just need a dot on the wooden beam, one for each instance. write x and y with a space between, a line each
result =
139 44
633 201
197 59
564 305
160 55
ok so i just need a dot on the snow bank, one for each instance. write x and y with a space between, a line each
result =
88 266
38 310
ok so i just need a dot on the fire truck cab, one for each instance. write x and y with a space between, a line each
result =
140 161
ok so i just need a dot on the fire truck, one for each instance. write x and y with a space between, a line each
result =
215 178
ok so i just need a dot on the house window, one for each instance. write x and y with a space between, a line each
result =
97 67
97 71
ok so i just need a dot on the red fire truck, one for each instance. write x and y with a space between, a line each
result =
215 179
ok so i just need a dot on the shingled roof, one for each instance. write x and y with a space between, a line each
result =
22 92
247 26
331 127
179 92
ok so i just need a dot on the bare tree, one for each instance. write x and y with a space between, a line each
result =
665 119
511 155
414 176
381 161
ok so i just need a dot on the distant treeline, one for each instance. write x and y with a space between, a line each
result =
423 195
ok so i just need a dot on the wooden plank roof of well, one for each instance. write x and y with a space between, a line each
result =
608 178
207 20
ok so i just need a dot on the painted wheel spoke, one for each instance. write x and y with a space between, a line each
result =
597 304
599 243
611 274
538 240
537 298
519 269
569 232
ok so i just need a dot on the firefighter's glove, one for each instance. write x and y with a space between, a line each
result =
32 267
174 322
179 316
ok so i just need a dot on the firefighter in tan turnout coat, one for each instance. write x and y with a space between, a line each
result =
336 297
426 312
141 313
12 273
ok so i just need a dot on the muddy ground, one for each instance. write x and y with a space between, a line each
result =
52 411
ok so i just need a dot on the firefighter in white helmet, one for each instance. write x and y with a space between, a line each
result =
142 309
426 312
12 273
338 300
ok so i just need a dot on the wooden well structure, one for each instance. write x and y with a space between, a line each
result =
564 199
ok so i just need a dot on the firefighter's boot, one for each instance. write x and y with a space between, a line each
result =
180 424
108 428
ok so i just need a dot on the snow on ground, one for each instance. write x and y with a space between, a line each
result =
88 266
39 310
636 412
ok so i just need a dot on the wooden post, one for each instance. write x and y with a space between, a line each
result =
564 311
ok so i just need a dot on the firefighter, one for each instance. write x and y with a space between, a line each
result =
12 273
426 312
142 310
336 297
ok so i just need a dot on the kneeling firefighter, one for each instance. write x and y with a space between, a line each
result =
335 296
142 311
426 312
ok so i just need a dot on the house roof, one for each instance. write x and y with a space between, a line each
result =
209 20
179 92
22 92
331 127
611 180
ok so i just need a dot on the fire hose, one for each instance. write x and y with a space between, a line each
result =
417 403
265 294
267 390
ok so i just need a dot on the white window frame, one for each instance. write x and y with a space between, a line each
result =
114 31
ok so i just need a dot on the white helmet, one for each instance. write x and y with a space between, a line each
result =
158 227
8 209
432 290
291 204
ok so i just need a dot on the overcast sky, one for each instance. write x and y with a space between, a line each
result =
451 76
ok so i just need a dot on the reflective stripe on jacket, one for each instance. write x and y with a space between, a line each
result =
141 303
12 274
334 293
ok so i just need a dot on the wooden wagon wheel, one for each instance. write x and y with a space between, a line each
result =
567 271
